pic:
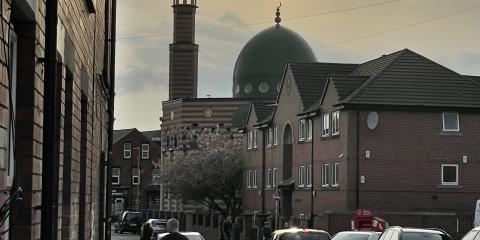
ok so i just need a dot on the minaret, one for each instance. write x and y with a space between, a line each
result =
183 51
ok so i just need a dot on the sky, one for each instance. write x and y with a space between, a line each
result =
347 31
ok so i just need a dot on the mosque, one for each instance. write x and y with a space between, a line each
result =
256 78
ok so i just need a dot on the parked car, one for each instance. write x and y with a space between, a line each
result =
357 235
300 234
474 234
129 222
189 235
400 233
158 225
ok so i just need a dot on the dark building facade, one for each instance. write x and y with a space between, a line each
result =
56 113
135 170
183 51
397 135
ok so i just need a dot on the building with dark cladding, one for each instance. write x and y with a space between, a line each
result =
135 170
56 118
397 135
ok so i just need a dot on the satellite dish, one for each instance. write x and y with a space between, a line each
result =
372 120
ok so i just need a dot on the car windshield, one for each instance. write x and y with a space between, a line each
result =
423 236
351 236
158 224
305 236
132 217
194 237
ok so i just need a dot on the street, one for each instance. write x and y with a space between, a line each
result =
125 236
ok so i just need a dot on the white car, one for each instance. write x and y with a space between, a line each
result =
158 225
357 235
474 234
189 235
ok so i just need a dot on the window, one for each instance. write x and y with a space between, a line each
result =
275 136
301 130
335 174
269 178
451 122
326 125
255 133
301 176
270 137
249 179
250 139
309 129
325 175
127 150
136 176
274 177
450 174
145 151
309 176
254 182
336 123
115 176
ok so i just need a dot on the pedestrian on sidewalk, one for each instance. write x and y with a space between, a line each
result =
227 227
172 228
147 232
237 229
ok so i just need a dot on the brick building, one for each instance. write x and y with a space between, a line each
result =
136 159
56 108
398 135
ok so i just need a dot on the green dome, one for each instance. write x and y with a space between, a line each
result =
261 63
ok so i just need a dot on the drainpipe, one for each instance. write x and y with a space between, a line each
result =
312 189
357 192
111 119
51 124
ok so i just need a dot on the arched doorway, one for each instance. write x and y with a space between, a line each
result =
287 183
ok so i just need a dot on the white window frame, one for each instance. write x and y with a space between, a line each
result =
270 137
301 176
145 151
269 178
136 170
127 151
250 139
254 182
458 122
335 172
326 125
249 179
309 176
450 183
255 135
116 176
274 177
301 130
309 129
275 136
335 123
325 175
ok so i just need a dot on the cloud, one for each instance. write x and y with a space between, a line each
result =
231 18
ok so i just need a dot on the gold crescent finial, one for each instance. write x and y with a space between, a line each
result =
277 18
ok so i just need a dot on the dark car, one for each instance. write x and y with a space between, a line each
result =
129 222
357 235
474 234
400 233
300 234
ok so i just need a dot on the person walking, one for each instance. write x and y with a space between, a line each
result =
172 228
237 229
147 232
227 227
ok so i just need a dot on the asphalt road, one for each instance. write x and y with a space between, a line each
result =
125 236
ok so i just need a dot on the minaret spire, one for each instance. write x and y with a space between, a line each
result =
278 19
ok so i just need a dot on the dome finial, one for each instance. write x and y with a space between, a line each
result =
278 19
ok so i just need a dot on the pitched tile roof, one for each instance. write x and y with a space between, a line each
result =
474 78
311 78
409 79
346 84
264 111
119 134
